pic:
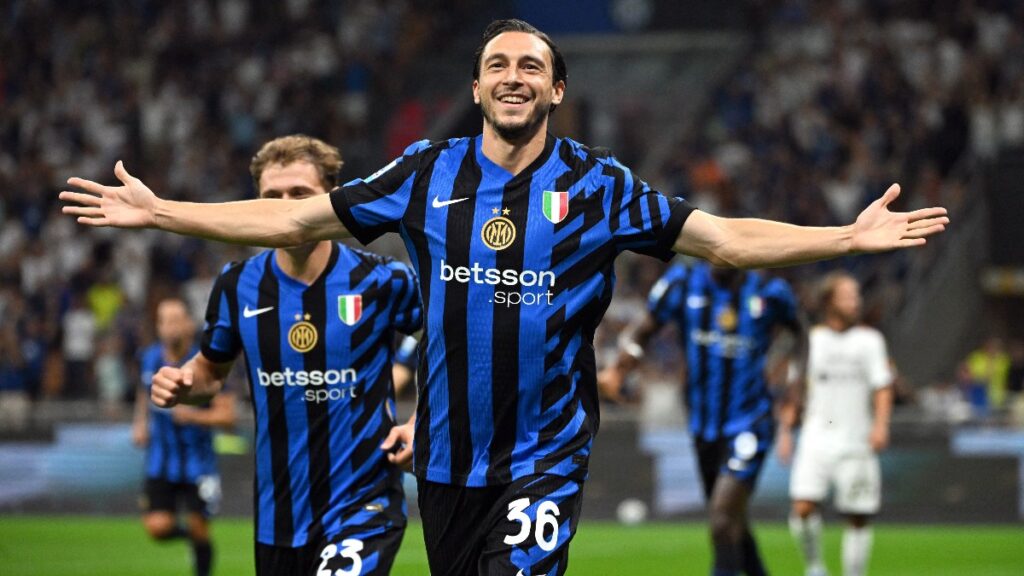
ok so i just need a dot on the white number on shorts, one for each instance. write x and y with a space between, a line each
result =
547 511
350 549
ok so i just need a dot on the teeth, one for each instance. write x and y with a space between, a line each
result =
513 99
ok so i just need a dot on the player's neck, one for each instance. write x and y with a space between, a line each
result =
836 323
304 263
175 352
514 155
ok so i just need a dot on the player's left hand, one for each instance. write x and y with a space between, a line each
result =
878 230
398 446
879 438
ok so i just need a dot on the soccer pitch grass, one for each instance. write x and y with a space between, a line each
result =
79 546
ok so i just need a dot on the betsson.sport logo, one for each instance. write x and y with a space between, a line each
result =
477 274
324 385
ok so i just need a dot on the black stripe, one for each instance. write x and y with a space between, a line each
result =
728 365
314 303
459 236
415 222
636 213
617 195
226 285
268 328
701 377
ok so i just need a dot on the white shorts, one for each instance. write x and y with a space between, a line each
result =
856 476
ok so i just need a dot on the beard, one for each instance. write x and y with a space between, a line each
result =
515 130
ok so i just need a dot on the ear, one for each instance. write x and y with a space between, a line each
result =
476 92
558 92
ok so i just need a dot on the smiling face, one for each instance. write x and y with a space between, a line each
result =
516 87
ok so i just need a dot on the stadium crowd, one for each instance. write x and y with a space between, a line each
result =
841 100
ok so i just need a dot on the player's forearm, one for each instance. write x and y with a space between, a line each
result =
220 415
207 379
265 222
757 243
883 406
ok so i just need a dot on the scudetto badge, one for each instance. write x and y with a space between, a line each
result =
302 335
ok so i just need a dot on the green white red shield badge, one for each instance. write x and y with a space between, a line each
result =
556 206
350 308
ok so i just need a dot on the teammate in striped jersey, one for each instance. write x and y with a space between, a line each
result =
514 234
727 320
181 467
317 324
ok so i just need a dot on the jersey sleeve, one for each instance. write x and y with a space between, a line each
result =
221 341
406 353
782 304
879 373
373 206
643 220
147 367
407 314
667 297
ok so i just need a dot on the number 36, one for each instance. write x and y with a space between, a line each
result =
547 512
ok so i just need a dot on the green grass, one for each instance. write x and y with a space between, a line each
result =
78 546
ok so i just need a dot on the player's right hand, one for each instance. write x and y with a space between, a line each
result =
610 385
170 386
132 205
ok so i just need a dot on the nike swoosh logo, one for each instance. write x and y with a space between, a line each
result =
439 204
250 313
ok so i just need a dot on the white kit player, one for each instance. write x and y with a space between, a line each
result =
847 375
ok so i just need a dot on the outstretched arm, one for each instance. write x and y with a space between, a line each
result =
265 222
755 243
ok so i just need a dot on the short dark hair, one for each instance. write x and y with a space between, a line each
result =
515 25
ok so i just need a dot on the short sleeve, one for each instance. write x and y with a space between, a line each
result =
406 353
407 314
370 207
221 341
643 220
667 296
879 373
782 303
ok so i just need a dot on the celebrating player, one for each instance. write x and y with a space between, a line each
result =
317 324
181 467
514 234
726 320
847 370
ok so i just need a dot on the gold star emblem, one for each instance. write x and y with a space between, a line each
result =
305 317
494 210
505 212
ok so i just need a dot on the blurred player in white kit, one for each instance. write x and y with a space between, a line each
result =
847 372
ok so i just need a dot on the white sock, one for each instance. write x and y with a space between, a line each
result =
807 532
856 550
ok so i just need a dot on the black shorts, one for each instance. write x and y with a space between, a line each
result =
359 552
203 497
514 529
741 456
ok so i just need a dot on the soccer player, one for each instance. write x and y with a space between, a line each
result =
317 324
847 372
181 467
514 234
727 320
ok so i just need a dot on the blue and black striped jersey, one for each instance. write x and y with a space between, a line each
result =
516 272
319 365
176 452
726 331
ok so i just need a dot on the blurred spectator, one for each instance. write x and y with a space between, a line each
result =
14 397
990 366
79 334
111 375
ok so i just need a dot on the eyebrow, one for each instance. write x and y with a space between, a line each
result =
528 57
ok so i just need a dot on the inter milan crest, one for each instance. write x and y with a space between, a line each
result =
727 319
499 232
350 308
556 206
302 335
